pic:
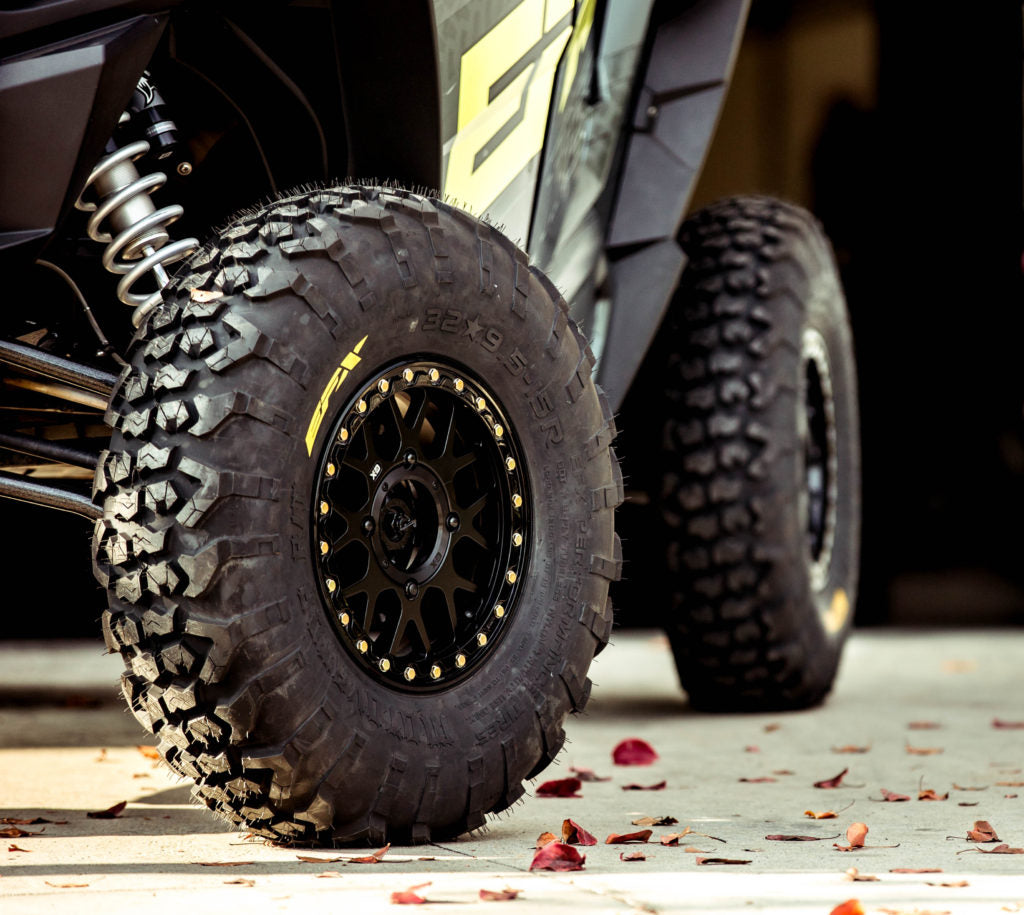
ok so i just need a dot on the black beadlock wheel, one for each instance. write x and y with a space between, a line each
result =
756 484
358 520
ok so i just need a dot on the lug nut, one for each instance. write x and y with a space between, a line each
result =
407 375
517 500
361 406
409 673
324 547
481 639
368 525
343 435
459 384
499 611
362 646
510 577
331 470
383 386
434 375
411 589
480 403
332 585
343 619
510 464
435 672
452 521
409 458
517 539
384 664
499 430
460 661
324 507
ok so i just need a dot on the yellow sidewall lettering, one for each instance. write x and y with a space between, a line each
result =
335 382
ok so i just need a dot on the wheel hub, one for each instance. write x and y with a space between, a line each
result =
421 525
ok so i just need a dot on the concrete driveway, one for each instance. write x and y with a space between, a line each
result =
67 748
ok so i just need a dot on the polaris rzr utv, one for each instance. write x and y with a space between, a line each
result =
345 443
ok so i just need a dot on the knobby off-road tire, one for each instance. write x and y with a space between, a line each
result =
358 520
760 483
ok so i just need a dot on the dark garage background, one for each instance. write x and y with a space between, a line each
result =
902 131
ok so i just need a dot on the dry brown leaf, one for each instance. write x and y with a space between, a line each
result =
410 896
751 748
950 884
372 858
982 831
574 834
968 803
856 876
34 821
892 796
505 895
922 751
66 886
1002 849
970 787
586 775
240 881
205 295
833 782
103 755
307 859
758 781
928 794
915 870
774 726
225 863
923 725
544 838
723 861
783 772
1010 784
1007 725
821 815
13 847
657 786
656 821
148 752
13 832
111 813
326 874
855 836
622 838
632 856
851 748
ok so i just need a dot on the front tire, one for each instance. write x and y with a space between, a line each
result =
358 527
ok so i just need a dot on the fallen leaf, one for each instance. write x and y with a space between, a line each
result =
923 725
968 803
751 749
822 815
950 884
16 848
111 813
372 858
240 881
831 782
693 850
34 821
850 907
787 838
634 752
560 787
656 821
544 838
12 832
783 772
1010 796
982 831
224 863
409 896
970 788
205 295
856 876
306 859
574 834
673 838
760 780
327 874
587 775
622 838
914 911
723 861
1002 849
855 835
1010 784
774 726
851 748
66 886
915 870
657 786
557 856
148 752
928 794
1007 725
504 895
922 751
103 755
888 795
632 856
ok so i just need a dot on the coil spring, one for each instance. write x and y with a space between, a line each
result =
133 229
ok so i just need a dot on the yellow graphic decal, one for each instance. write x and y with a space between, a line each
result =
340 374
837 612
577 43
501 125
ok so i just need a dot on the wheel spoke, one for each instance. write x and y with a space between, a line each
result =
373 583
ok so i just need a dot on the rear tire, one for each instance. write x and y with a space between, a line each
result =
759 476
358 520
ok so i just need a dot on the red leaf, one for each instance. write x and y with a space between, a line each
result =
831 782
632 856
409 896
560 787
372 858
634 752
851 748
544 838
722 861
1003 849
499 895
928 794
658 786
888 795
1007 725
149 752
12 832
786 838
574 834
982 832
622 838
759 781
110 813
751 749
923 725
915 870
16 848
588 775
309 860
557 856
850 907
922 751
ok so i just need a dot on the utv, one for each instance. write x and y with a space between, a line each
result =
345 444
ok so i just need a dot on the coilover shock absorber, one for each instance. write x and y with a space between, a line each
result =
123 216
